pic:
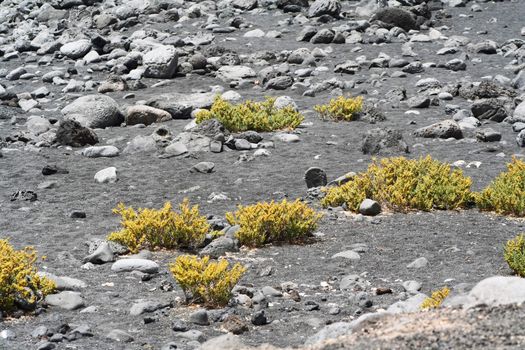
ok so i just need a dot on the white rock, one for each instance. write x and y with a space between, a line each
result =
108 175
128 265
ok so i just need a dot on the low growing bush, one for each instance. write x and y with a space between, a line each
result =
162 228
265 222
250 115
514 253
340 108
506 194
403 184
20 285
205 281
436 299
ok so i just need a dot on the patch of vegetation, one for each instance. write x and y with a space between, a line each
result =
20 285
506 194
436 299
403 184
250 115
514 253
204 281
264 222
340 108
162 228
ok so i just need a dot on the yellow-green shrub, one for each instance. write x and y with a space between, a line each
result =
204 281
340 108
19 281
514 253
403 184
162 228
506 194
265 222
250 115
436 299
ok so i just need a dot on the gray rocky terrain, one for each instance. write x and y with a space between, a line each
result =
97 100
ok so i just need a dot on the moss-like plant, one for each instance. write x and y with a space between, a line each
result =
436 299
403 184
250 115
506 194
162 228
265 222
20 285
340 108
514 253
205 281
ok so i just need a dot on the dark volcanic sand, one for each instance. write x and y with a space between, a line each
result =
461 247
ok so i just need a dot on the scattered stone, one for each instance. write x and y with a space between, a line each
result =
129 265
445 129
120 336
419 263
203 167
66 300
315 177
199 317
108 175
369 207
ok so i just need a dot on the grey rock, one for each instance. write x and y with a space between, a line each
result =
161 62
418 102
199 317
103 254
412 304
76 49
176 149
324 7
491 109
120 336
65 282
230 74
143 307
141 144
94 111
347 254
331 331
223 342
107 175
193 335
279 83
100 151
498 290
259 318
520 138
411 286
444 129
219 247
180 106
488 135
369 207
203 167
323 36
72 133
141 114
384 141
128 265
66 300
418 263
396 17
353 283
315 177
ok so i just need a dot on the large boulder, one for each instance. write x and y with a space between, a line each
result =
94 111
71 133
384 141
161 62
